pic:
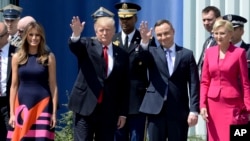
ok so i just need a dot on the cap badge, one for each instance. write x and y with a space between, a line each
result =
229 17
124 6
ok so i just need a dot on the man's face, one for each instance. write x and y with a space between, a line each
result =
237 34
165 35
11 25
128 24
105 32
208 20
20 30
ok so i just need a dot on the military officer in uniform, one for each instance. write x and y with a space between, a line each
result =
130 40
11 15
238 24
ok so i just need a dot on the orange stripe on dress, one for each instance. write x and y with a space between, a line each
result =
33 115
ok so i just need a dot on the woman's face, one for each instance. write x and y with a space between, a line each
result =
222 36
33 38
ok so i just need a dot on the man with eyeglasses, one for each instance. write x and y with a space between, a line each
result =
21 25
11 15
6 51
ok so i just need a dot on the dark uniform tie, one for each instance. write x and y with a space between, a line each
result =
126 41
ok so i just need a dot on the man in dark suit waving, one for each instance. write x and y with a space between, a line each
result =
99 98
171 108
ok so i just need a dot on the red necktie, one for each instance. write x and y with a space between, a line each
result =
105 56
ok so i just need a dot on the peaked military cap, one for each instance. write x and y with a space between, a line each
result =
11 12
235 20
102 12
127 9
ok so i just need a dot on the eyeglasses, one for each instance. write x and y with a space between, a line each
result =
20 31
1 36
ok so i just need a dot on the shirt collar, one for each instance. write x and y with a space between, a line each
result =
109 45
130 35
238 44
5 47
172 48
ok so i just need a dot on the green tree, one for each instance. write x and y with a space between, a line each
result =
64 126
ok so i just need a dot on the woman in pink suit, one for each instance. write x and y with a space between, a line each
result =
224 85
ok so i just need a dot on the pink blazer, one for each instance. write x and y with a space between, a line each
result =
228 79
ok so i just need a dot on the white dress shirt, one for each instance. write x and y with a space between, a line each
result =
110 53
4 66
130 36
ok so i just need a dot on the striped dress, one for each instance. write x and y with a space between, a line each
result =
33 106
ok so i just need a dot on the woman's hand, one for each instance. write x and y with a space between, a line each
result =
53 121
12 121
204 114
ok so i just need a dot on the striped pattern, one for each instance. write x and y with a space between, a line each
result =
32 124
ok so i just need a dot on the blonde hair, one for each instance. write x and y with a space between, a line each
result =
42 52
104 20
220 22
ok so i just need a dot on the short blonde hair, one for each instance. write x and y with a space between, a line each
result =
104 20
220 22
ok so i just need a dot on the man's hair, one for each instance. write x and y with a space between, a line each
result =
212 8
106 20
160 22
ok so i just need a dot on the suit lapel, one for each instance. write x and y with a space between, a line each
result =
178 56
117 40
244 45
227 55
136 40
115 55
12 50
161 56
97 46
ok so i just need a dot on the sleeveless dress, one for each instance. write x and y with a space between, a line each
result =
33 106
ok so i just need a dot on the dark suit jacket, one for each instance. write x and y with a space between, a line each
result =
12 50
213 43
5 100
185 76
247 48
137 70
91 79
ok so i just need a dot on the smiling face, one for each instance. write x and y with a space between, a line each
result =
223 32
165 35
33 38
